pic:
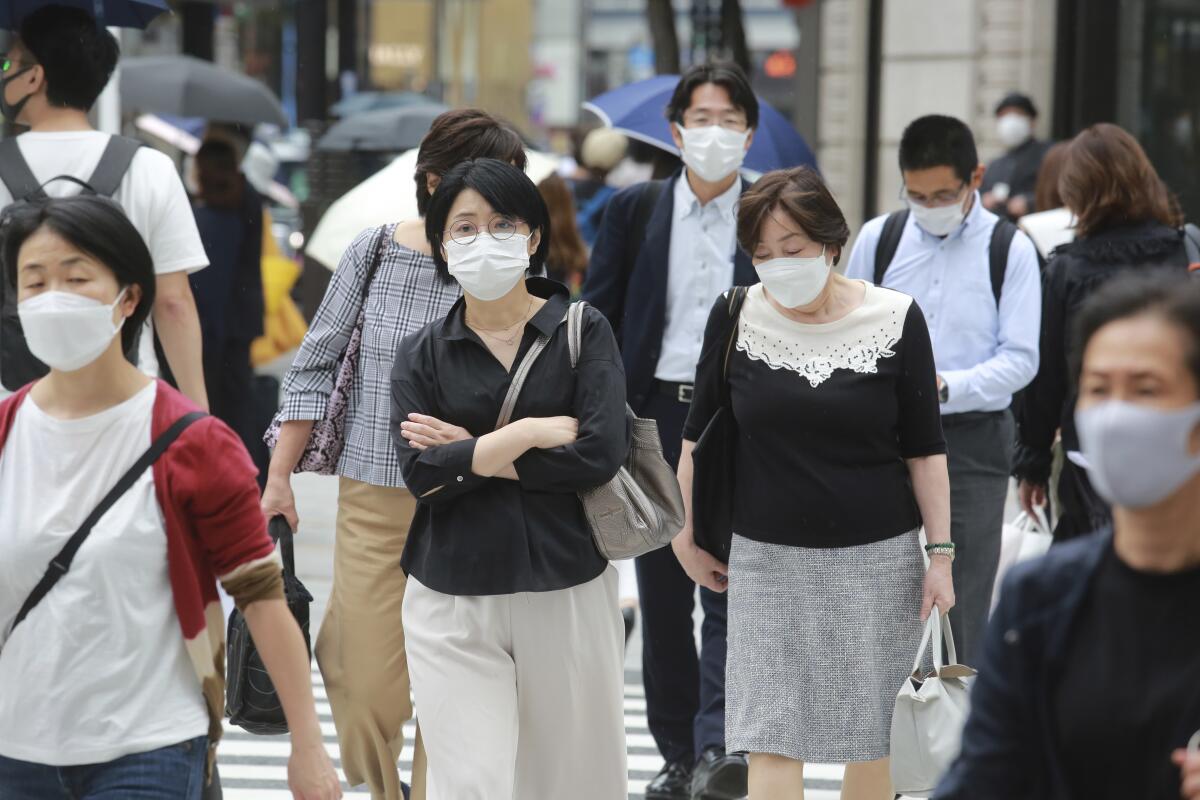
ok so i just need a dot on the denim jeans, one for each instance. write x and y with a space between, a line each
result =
175 772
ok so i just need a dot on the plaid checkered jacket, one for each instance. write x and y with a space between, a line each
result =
407 295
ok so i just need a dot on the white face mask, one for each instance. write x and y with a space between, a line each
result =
67 331
488 268
795 282
712 152
939 221
1013 129
1137 456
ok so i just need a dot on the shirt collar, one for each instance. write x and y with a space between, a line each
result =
688 204
545 321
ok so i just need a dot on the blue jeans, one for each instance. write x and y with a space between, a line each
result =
175 772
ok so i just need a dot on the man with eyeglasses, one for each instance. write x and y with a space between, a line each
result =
53 74
665 251
976 278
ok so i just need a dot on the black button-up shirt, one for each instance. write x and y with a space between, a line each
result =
474 535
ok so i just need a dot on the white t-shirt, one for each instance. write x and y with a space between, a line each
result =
98 669
151 193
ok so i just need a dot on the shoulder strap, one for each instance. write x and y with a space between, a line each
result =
16 174
113 165
376 257
518 381
281 533
62 562
889 240
575 331
737 299
1002 237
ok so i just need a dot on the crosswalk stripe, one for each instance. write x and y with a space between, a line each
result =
255 767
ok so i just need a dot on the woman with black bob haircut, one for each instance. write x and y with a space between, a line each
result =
1054 714
120 508
514 634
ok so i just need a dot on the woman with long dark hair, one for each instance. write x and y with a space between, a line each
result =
1124 220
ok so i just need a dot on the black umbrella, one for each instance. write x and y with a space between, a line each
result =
387 130
189 87
118 13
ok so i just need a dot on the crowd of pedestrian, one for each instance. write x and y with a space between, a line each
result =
853 417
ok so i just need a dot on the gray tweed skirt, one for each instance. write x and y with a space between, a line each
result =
820 641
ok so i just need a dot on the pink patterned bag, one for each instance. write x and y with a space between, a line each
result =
328 437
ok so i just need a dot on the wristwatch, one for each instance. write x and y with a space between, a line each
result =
944 393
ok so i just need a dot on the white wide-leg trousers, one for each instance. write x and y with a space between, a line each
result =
520 696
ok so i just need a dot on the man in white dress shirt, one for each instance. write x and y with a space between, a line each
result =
665 252
977 280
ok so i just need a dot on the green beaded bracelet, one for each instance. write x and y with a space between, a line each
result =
941 548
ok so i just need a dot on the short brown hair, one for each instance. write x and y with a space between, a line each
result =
1045 194
802 195
1108 181
463 135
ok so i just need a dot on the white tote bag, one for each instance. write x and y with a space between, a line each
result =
929 717
1024 538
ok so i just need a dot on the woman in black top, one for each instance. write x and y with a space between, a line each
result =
514 637
840 458
1123 221
1088 689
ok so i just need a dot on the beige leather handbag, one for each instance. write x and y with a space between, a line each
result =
641 508
929 717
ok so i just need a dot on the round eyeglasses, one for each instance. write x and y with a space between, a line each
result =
498 227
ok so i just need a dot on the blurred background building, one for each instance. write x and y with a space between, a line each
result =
850 73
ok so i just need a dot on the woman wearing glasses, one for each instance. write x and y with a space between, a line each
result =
514 637
1087 686
388 277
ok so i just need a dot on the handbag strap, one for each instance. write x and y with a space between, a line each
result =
281 533
518 380
61 563
575 331
373 265
737 298
934 630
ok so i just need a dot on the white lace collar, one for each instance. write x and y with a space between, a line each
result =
856 342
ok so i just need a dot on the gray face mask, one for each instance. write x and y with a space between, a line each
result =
1138 456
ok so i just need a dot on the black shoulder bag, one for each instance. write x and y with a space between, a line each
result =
714 467
251 701
61 563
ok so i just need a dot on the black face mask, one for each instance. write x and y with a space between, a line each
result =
12 110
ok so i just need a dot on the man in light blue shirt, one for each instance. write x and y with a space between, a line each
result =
984 312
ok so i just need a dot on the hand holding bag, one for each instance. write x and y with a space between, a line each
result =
251 701
929 717
328 438
641 508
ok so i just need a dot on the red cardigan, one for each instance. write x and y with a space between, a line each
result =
206 489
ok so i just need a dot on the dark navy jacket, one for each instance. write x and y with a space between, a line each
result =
634 295
1009 747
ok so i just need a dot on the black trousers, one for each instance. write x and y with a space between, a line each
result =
685 690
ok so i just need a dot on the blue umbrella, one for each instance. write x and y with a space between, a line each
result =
639 110
117 13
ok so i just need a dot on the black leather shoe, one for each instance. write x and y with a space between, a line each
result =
673 782
718 776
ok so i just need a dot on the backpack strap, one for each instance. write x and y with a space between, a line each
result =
16 174
113 165
889 240
1002 237
61 563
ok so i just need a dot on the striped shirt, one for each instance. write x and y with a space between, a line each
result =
407 295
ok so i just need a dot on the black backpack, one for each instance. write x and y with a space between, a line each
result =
1002 236
17 365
